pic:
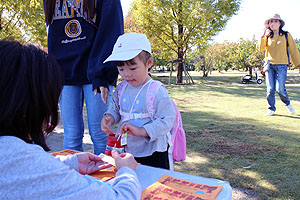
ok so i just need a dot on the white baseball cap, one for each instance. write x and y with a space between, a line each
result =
128 46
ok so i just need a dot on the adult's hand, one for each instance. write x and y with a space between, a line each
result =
89 163
104 93
124 160
267 29
266 32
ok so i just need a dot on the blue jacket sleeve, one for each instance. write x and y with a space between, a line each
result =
111 26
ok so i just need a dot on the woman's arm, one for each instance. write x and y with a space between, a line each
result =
110 27
294 53
28 172
261 45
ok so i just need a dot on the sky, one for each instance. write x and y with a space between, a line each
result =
249 21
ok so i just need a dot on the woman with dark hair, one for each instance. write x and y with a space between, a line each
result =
81 35
30 85
279 45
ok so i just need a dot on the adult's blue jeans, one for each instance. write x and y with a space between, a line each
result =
71 106
275 81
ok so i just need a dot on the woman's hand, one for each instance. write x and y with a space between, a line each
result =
124 160
133 130
104 93
267 30
89 163
106 123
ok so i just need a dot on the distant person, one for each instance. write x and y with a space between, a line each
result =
148 136
81 35
30 85
273 41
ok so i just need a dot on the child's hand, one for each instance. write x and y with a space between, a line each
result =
106 123
133 130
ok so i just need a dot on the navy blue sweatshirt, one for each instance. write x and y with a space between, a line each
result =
79 47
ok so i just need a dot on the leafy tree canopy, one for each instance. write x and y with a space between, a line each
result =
23 20
176 26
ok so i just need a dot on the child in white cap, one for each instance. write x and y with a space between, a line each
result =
147 135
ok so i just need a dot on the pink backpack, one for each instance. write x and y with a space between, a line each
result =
178 138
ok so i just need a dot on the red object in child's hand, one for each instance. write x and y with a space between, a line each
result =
113 144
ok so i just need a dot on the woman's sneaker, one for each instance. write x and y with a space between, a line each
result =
291 108
270 112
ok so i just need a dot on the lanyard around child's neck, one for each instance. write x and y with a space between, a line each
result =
149 81
129 115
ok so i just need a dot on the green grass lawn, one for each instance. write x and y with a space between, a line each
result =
229 138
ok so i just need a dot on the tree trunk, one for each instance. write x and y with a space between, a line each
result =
250 71
205 74
179 66
180 46
205 68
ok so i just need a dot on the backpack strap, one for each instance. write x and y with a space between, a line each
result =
150 98
287 47
177 139
121 88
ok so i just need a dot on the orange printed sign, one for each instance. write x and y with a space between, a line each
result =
170 188
104 174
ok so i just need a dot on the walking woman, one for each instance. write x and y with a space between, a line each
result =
278 51
81 35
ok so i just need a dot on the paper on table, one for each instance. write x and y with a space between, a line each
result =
168 187
108 159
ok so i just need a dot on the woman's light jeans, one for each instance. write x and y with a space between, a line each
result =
71 106
275 81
